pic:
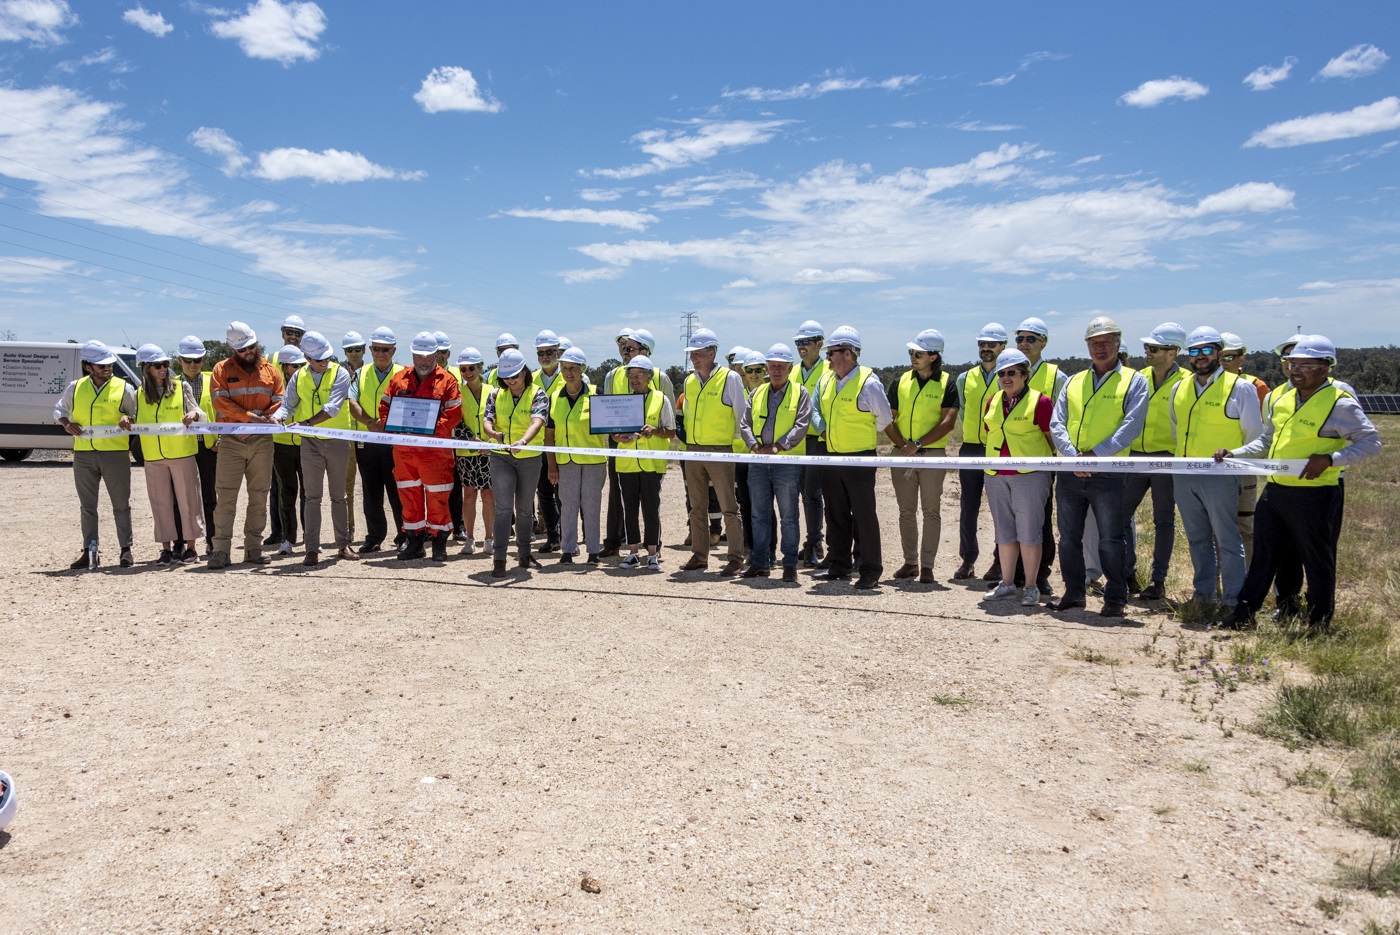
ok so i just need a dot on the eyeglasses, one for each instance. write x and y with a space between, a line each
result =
990 345
1202 351
1010 374
630 348
547 352
805 342
192 360
1026 338
1234 356
1156 348
160 364
287 333
839 349
381 350
1296 365
755 370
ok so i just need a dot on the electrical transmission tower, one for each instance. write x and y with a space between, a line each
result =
690 321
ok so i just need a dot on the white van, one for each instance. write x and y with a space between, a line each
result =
32 378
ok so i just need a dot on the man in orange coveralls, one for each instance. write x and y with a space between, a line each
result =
425 474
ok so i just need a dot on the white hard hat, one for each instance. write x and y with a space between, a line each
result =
315 346
506 339
643 337
546 338
1102 325
930 340
7 800
425 342
95 352
623 333
810 329
1293 340
640 362
993 331
844 335
510 363
239 336
191 346
470 355
291 354
1010 358
444 343
151 354
737 351
565 343
1036 326
781 354
294 321
1204 335
1233 342
700 339
754 359
1314 347
1167 334
573 355
383 335
352 339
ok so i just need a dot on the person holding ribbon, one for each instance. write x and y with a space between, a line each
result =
515 417
376 460
192 353
640 478
172 474
474 464
578 477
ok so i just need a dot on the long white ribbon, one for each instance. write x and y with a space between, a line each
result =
1230 466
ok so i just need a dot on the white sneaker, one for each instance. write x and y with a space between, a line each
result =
631 561
1000 591
468 546
653 563
1030 597
488 545
285 548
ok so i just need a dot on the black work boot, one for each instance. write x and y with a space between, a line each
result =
440 547
413 547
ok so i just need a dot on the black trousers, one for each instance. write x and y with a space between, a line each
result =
207 459
286 472
615 532
970 484
454 500
641 493
1296 525
549 508
849 493
812 494
741 492
376 464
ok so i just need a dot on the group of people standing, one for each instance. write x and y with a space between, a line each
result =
816 411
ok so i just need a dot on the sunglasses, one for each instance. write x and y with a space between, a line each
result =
1026 338
755 370
833 351
989 345
1202 351
1231 356
160 364
1156 348
805 342
1295 365
191 360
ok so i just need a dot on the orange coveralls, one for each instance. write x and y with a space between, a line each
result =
424 475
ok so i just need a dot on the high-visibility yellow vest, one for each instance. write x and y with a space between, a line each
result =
1202 427
709 420
625 465
472 414
847 428
619 381
1157 432
1016 429
571 426
811 383
513 419
1095 414
372 388
286 438
205 397
167 409
785 418
921 407
311 398
92 407
1043 380
974 397
1296 435
554 387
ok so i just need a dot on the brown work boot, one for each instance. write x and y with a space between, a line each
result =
926 576
907 571
696 563
965 571
731 569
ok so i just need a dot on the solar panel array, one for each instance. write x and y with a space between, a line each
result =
1380 403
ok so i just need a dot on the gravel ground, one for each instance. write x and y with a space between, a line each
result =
376 746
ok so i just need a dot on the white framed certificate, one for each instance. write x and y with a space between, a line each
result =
616 414
409 415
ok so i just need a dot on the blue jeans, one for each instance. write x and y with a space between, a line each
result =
784 482
1076 496
1208 506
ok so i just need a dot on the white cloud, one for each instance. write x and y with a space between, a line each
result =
977 126
905 125
331 165
334 230
627 220
36 21
1379 117
597 274
107 56
216 142
281 32
808 90
600 194
1085 161
451 88
710 184
1318 284
1152 93
673 149
1354 62
153 23
15 270
810 276
1251 196
744 283
1024 65
1266 76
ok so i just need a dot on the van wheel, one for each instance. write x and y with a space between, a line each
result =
15 454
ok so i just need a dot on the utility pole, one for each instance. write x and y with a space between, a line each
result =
690 321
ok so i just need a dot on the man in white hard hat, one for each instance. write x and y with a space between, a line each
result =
191 353
615 383
505 341
1162 374
352 345
924 404
1299 515
293 327
548 379
975 386
99 399
854 409
247 389
288 499
714 405
1098 415
316 396
1211 410
812 368
376 460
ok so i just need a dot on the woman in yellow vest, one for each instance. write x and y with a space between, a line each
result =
191 361
578 477
1016 424
172 475
473 464
515 417
286 461
98 399
640 478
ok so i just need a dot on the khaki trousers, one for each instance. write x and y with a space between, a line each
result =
910 486
246 457
113 468
698 476
350 492
173 483
322 459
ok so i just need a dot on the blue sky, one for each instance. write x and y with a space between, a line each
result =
167 167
